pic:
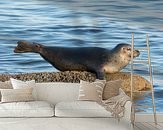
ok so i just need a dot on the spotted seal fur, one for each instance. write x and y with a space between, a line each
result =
91 59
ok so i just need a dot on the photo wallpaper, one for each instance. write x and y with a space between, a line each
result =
82 23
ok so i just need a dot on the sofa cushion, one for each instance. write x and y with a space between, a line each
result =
16 95
18 84
91 91
80 109
26 109
111 89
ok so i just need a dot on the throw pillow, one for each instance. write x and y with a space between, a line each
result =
91 91
111 89
16 95
5 85
18 84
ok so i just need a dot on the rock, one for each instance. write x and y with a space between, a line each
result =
140 83
67 76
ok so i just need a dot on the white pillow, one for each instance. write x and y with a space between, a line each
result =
81 109
18 84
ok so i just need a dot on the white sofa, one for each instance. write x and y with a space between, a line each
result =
57 108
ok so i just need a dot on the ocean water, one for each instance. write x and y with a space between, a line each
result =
72 23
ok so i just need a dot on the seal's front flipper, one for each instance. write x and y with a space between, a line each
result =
100 75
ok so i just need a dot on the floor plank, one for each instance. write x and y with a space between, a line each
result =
157 126
150 126
136 128
141 126
161 124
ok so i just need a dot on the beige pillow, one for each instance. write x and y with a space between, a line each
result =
91 91
17 95
111 89
5 85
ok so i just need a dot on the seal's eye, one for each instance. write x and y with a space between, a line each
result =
129 49
37 45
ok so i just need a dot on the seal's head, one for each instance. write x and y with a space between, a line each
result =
119 57
125 51
24 46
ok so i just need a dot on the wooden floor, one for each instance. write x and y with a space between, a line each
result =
148 126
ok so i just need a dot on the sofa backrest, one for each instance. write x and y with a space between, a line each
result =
55 92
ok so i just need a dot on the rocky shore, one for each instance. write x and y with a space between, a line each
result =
140 83
66 76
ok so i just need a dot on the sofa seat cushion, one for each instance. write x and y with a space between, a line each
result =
80 109
26 109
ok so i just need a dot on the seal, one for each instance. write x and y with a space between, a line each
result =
92 59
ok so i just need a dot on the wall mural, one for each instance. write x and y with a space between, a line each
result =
81 23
